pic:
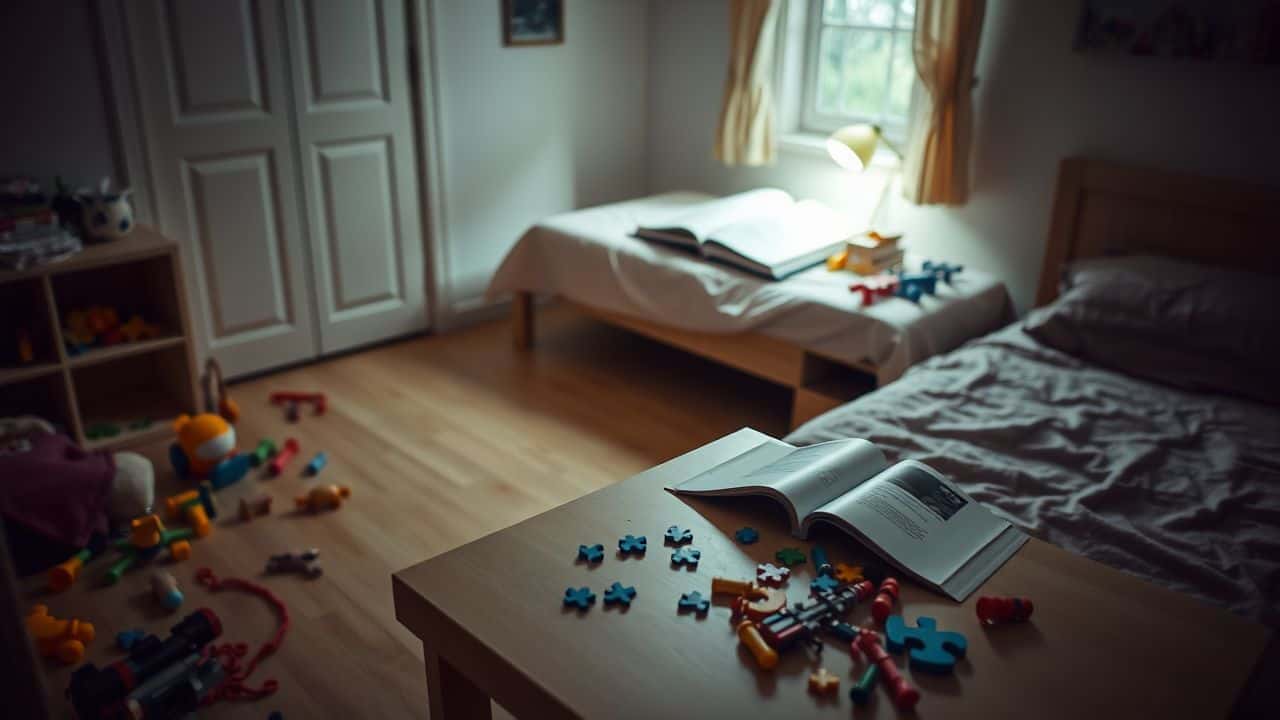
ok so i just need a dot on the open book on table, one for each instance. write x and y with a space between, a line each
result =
765 232
907 512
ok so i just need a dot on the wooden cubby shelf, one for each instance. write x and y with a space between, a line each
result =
133 389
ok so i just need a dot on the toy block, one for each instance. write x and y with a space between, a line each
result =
677 535
255 506
821 564
64 574
265 450
581 598
882 606
823 682
632 545
860 693
617 594
591 553
693 602
903 694
686 556
62 639
823 584
875 287
790 556
317 464
283 457
847 574
929 649
747 535
770 574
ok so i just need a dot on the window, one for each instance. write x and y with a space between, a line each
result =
859 66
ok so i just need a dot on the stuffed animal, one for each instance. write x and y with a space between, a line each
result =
106 216
205 440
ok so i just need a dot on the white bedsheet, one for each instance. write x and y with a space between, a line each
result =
589 257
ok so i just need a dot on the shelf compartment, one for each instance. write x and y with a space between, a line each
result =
44 396
132 398
122 350
22 373
138 287
26 313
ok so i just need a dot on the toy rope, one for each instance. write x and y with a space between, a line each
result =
230 654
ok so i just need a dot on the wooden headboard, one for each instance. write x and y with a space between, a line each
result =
1101 208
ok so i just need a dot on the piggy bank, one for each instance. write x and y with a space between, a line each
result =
106 215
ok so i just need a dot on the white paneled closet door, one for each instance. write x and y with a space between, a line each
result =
214 85
350 64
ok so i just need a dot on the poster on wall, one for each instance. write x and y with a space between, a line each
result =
1241 31
532 22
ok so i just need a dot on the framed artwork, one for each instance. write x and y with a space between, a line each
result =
532 22
1241 31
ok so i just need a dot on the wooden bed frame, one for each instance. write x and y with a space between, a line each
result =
1103 208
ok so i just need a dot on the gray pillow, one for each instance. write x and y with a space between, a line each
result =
1192 326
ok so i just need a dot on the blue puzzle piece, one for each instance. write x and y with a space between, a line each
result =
693 601
943 270
686 556
591 553
619 595
631 544
747 535
677 535
582 598
931 650
823 583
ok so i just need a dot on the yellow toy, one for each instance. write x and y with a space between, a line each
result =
63 639
206 440
323 497
138 329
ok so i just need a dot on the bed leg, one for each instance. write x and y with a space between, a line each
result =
522 320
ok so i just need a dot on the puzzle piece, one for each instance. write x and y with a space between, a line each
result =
823 583
686 556
632 545
823 682
770 574
747 535
591 553
677 535
790 556
582 598
848 574
931 650
619 595
693 601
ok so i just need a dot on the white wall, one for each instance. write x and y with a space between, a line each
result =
527 132
1037 102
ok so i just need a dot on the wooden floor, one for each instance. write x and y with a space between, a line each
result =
442 440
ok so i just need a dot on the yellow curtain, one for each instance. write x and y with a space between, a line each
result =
745 135
935 166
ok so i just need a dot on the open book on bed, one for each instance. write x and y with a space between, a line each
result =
764 232
907 512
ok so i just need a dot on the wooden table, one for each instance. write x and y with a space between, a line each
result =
490 615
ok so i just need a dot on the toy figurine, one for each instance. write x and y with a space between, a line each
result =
165 589
255 506
196 506
206 448
63 639
305 563
147 538
107 215
323 497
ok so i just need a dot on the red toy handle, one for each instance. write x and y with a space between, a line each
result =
904 696
993 610
283 457
882 606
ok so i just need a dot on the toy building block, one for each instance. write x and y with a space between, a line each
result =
760 603
847 573
903 695
317 464
255 506
770 574
617 594
126 639
747 535
820 562
677 535
749 635
591 553
929 649
64 574
147 538
913 286
265 450
823 584
996 610
693 602
283 457
632 545
230 471
823 682
196 507
317 400
145 532
875 287
861 691
323 497
62 639
305 563
839 260
686 556
165 589
882 606
581 598
790 556
942 270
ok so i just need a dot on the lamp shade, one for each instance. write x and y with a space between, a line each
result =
853 145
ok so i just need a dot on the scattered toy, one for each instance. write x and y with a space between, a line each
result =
770 574
996 610
64 574
318 400
305 563
790 556
942 270
747 535
632 545
820 562
904 696
581 598
929 649
822 584
216 397
206 449
823 682
749 635
591 553
693 602
882 606
913 286
616 594
165 589
873 288
283 457
147 538
861 691
801 622
323 497
686 556
848 574
291 411
316 465
255 506
62 639
677 535
265 451
126 639
753 601
196 507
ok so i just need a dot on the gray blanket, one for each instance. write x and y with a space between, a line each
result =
1182 489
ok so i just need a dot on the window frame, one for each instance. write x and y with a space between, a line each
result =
812 121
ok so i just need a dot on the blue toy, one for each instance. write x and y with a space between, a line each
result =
693 601
582 598
686 556
677 535
632 545
591 553
823 583
316 465
931 650
228 472
820 561
126 639
619 595
747 535
913 286
942 270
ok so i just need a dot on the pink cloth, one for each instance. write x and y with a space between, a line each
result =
55 489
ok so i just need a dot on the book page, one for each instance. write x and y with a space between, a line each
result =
917 517
704 219
797 231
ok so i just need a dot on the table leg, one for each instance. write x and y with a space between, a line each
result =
451 695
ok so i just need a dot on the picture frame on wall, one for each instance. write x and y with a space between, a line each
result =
528 23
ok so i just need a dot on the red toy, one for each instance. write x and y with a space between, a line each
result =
882 606
996 610
317 400
875 287
282 458
904 696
